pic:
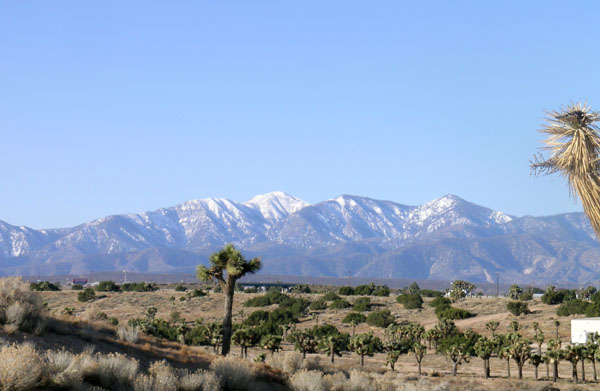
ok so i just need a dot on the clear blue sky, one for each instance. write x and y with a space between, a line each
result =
124 106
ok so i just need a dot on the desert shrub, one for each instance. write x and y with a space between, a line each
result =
361 304
553 296
381 290
68 311
107 286
63 369
364 290
44 286
198 293
451 313
256 318
339 304
573 307
128 333
21 367
199 381
267 299
308 381
527 295
163 376
318 305
234 374
20 309
430 293
77 287
301 288
517 308
139 287
382 318
86 295
292 362
346 291
180 288
330 296
440 301
157 327
410 301
354 317
116 370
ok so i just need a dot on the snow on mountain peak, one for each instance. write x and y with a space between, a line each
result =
276 205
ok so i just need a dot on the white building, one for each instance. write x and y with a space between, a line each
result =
582 328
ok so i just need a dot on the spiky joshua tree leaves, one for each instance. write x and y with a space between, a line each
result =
484 348
574 147
226 267
365 345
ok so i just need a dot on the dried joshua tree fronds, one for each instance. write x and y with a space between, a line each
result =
574 147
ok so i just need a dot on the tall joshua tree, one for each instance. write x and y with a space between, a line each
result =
226 267
574 146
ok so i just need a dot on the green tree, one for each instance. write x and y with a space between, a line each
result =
492 326
365 345
395 343
227 266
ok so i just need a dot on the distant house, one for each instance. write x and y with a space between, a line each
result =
582 328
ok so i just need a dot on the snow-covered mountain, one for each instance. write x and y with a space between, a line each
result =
348 235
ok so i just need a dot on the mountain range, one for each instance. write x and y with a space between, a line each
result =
447 238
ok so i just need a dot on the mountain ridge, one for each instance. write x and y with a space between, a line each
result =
448 237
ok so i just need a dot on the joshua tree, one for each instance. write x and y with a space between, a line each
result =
492 326
554 354
334 344
457 355
592 351
484 349
573 354
245 337
271 342
227 266
557 325
504 353
539 339
419 351
365 345
535 360
520 352
304 342
574 147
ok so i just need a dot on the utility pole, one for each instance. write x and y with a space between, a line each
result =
497 285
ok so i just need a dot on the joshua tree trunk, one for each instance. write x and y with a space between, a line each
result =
487 372
332 355
508 367
575 372
485 368
229 290
555 372
547 370
362 360
594 367
242 351
582 370
520 367
536 372
455 368
419 366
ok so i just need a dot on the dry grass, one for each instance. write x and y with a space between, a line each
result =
128 334
20 309
308 381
